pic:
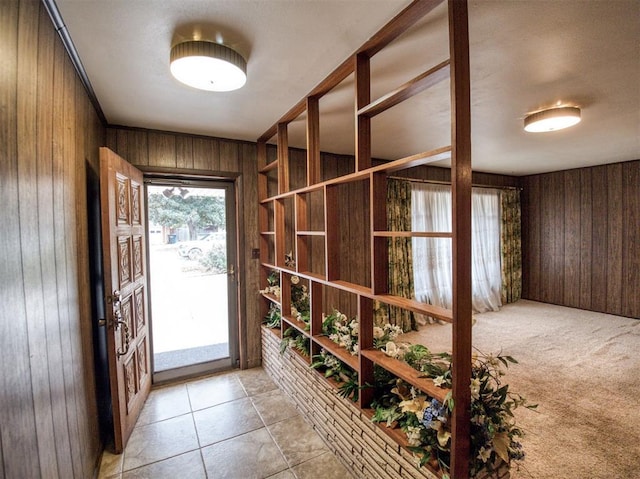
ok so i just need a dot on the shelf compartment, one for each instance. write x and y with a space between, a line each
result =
407 373
414 86
416 306
297 325
270 166
422 158
271 298
338 351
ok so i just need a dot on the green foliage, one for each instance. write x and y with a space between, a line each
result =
215 260
273 317
196 212
292 338
333 368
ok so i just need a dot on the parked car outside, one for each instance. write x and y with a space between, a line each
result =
194 249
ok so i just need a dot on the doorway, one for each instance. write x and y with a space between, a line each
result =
192 258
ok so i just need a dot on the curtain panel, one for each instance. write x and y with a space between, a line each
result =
400 256
511 246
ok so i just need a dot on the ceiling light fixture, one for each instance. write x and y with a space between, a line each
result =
208 66
552 119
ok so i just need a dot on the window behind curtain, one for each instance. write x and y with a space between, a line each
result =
432 257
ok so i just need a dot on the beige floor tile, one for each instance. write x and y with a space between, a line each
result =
325 466
226 420
256 381
274 406
165 403
287 474
250 456
297 440
160 440
110 465
215 390
188 465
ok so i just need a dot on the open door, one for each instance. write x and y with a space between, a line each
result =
125 271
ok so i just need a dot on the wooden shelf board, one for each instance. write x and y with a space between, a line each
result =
268 167
272 298
269 233
275 331
298 325
412 87
310 233
406 372
320 278
351 287
416 306
418 159
411 234
271 266
338 351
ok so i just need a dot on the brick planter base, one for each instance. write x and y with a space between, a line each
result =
362 446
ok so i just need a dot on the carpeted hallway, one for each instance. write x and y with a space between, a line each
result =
583 370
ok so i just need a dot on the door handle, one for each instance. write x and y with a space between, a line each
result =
118 323
127 338
231 271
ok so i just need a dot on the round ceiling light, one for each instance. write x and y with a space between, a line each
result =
208 66
552 119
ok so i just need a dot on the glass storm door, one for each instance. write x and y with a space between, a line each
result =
192 264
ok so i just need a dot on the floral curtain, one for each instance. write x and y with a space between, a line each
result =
400 254
510 246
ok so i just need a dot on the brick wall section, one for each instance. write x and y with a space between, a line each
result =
362 446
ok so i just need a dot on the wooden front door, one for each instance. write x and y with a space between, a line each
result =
125 271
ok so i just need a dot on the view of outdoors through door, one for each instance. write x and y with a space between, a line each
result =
188 266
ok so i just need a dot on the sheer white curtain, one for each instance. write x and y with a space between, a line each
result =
432 257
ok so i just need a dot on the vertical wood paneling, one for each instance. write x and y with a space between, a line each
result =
202 154
47 409
614 239
571 275
137 147
184 153
631 239
248 219
58 345
18 432
229 156
586 233
599 239
162 150
29 234
547 207
582 227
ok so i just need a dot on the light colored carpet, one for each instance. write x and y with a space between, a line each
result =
582 368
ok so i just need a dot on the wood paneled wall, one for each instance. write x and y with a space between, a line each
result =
49 135
234 160
581 238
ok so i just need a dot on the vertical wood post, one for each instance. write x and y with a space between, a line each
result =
283 158
313 140
461 195
363 123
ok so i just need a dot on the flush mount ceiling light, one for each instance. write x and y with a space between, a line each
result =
552 119
208 66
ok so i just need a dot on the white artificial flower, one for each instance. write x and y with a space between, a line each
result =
295 279
484 454
475 388
438 381
378 333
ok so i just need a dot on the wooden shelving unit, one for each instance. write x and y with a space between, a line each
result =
305 221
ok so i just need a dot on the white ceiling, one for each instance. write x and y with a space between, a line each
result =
525 55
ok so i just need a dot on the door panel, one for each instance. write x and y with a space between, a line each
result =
123 240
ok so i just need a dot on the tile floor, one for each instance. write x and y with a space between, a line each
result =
235 425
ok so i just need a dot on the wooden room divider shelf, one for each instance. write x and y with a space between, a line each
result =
299 230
